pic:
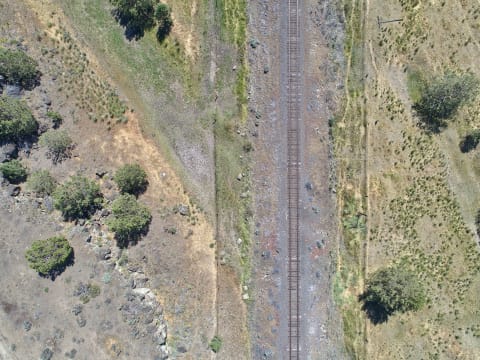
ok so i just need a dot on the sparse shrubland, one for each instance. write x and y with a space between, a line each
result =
16 120
391 290
131 179
58 144
13 171
18 68
130 219
443 96
41 182
49 257
78 198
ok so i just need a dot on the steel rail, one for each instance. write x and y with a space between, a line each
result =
293 176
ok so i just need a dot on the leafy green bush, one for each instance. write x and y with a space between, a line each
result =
470 141
41 182
442 97
13 171
393 289
164 21
77 198
216 344
130 219
49 257
135 15
18 68
58 144
131 179
16 120
56 118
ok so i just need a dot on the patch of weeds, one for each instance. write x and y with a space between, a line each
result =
215 344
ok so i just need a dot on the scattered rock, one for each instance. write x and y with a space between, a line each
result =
48 204
77 309
71 354
183 210
104 213
181 349
27 325
8 152
14 91
104 253
245 297
81 321
47 354
266 69
106 325
13 190
254 43
240 177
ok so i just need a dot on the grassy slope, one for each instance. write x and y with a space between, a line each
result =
422 192
163 84
144 68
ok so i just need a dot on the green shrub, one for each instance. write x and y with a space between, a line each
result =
393 289
131 179
129 219
77 198
16 120
13 171
216 344
41 182
56 118
164 21
442 97
58 144
470 141
18 68
49 257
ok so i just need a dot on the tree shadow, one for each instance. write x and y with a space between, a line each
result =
164 30
375 312
52 275
134 28
468 143
132 239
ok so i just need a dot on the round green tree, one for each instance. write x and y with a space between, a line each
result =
16 120
131 179
41 182
58 143
78 198
18 68
49 257
164 21
135 15
129 220
442 97
13 171
394 289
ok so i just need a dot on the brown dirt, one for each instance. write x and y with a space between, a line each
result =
180 268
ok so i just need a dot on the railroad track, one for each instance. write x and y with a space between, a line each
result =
293 172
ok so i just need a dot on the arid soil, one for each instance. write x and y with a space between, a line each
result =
321 329
157 294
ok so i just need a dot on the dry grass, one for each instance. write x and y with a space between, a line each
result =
422 192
